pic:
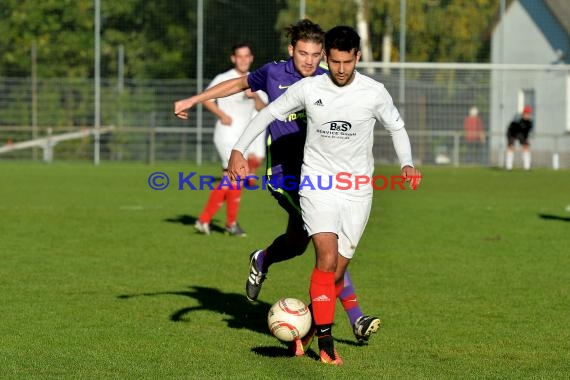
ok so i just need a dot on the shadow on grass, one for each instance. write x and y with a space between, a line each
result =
237 311
554 217
281 352
350 342
189 220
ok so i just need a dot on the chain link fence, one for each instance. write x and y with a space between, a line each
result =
434 102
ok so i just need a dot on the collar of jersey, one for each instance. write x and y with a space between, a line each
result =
290 69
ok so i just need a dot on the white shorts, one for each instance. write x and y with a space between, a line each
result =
224 140
325 211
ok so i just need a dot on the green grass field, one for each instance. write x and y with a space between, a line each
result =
102 277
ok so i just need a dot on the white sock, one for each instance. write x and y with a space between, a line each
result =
510 157
526 159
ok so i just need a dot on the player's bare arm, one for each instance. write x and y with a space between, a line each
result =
223 89
412 175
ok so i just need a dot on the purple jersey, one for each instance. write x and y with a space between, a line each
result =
274 78
286 140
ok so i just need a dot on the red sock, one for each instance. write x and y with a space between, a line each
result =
323 296
232 206
215 201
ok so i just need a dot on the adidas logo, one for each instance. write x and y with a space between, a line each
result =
319 103
321 298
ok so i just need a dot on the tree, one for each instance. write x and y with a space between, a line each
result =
61 29
436 30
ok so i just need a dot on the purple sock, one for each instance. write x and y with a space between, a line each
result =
348 299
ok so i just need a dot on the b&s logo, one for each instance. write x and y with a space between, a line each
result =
338 125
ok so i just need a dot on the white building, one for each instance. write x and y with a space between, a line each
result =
532 32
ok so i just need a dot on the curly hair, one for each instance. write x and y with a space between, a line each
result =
305 30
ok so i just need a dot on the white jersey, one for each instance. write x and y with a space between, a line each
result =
340 128
238 106
241 109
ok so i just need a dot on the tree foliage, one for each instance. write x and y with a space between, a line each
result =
159 37
436 30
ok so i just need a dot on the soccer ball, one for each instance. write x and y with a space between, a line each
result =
289 319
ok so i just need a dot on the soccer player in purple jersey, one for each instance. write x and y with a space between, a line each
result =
285 142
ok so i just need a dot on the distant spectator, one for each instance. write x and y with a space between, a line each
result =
474 134
519 129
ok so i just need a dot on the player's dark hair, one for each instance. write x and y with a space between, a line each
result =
305 30
241 45
342 38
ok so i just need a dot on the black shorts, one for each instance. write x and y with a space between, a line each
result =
521 137
284 161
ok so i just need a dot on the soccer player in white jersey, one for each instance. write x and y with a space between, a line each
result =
285 147
342 109
233 112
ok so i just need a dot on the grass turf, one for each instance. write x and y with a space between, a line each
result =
102 277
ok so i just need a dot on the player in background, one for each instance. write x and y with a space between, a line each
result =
285 141
519 129
474 136
335 219
233 113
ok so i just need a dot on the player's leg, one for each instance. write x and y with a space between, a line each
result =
323 294
233 201
322 216
349 236
215 200
527 160
292 243
223 191
286 246
510 152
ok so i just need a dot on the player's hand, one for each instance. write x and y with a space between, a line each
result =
412 175
226 120
181 107
237 166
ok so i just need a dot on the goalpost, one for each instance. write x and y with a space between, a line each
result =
50 141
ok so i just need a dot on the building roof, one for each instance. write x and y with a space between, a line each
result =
561 10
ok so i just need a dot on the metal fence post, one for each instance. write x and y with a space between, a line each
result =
456 136
151 145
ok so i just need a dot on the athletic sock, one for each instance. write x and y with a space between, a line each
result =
232 205
325 339
323 297
510 158
347 296
215 201
526 160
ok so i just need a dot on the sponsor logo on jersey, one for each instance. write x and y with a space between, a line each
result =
319 103
281 87
300 115
338 125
